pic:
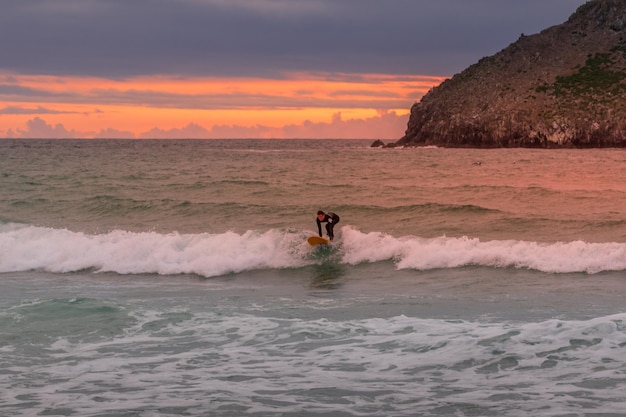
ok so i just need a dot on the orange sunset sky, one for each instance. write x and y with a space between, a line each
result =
299 105
241 68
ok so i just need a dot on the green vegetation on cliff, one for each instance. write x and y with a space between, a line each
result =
597 76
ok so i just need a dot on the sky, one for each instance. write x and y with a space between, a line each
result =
242 68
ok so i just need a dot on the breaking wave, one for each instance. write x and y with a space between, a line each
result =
25 248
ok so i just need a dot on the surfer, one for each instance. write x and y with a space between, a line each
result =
331 219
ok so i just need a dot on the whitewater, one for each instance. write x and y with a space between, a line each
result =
173 278
25 248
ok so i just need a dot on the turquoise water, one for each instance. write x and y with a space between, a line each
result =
172 278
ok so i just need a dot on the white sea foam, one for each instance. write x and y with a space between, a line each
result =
207 362
444 252
37 248
25 248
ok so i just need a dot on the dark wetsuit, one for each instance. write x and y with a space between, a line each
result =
331 219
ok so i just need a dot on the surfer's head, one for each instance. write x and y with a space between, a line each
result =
321 215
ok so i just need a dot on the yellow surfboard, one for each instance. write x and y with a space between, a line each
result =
316 240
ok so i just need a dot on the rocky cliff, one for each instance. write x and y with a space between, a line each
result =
563 87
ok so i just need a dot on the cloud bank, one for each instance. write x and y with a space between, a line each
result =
121 38
377 127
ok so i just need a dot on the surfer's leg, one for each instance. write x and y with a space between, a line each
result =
329 230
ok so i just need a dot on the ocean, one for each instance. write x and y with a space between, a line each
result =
173 278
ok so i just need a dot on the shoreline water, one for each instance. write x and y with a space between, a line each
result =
473 340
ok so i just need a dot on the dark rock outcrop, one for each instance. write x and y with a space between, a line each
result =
563 87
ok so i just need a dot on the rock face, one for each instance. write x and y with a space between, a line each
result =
563 87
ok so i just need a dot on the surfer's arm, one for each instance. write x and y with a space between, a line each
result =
319 227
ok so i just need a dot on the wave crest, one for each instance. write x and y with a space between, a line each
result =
24 248
446 252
